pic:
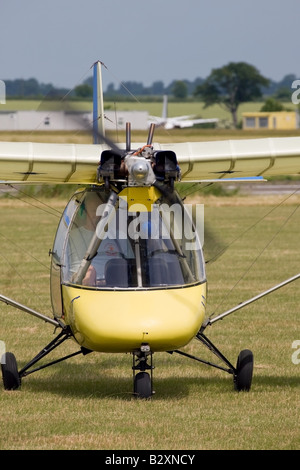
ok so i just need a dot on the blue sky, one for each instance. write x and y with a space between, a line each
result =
57 41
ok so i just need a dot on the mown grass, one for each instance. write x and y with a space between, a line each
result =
86 403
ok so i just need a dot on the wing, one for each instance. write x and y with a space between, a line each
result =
191 122
49 163
237 158
77 163
179 122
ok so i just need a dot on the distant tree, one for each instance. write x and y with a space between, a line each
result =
31 87
231 85
271 105
197 82
21 87
84 91
283 93
135 88
180 89
287 81
110 90
158 88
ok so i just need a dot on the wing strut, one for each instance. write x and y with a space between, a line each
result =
11 302
210 321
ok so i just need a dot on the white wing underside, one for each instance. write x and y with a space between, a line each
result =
77 163
180 122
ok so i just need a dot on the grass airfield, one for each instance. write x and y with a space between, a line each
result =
87 403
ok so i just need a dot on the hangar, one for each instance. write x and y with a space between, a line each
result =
68 121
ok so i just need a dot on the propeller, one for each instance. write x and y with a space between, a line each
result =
114 155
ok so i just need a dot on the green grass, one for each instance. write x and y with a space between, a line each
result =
86 403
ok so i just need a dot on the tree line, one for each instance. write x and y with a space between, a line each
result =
227 86
31 88
177 89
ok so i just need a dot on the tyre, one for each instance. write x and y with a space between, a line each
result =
142 385
244 371
10 375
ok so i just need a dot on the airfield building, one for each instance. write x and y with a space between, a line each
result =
280 120
68 121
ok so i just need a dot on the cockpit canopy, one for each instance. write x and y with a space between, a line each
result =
139 238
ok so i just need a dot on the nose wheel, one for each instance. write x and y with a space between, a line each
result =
142 381
142 387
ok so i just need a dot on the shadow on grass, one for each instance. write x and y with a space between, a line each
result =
106 380
282 381
112 387
112 377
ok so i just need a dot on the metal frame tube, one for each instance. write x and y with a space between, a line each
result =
11 302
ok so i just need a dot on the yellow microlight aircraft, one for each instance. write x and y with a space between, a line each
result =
127 271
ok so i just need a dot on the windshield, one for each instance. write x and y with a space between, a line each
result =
113 243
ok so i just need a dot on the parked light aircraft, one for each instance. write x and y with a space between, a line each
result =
178 122
127 268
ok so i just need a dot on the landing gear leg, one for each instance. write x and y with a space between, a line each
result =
12 377
142 381
242 373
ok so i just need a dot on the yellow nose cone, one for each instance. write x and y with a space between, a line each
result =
119 320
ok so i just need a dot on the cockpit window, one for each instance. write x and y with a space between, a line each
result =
113 244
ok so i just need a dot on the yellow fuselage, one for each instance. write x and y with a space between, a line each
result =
121 320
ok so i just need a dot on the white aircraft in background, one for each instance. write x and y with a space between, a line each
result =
178 121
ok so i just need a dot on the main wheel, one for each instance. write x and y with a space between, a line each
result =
244 371
10 375
142 385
